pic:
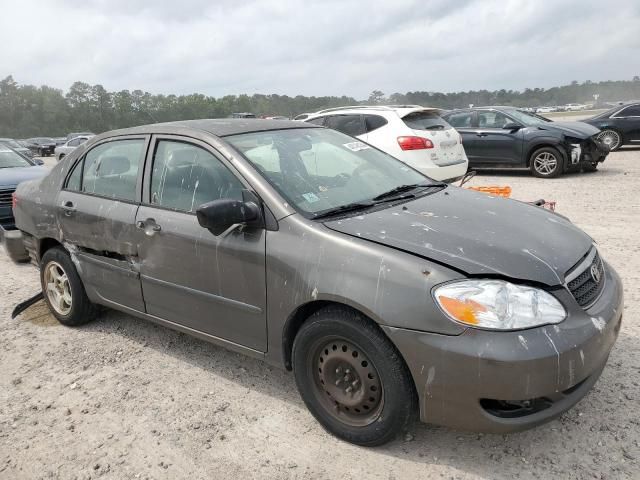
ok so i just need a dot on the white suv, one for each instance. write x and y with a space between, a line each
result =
416 135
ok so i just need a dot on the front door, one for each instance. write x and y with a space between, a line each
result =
495 145
96 213
211 284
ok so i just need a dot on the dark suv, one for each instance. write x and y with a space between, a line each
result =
506 137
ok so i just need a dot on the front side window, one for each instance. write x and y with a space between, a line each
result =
186 176
460 120
492 119
109 170
349 124
317 170
316 121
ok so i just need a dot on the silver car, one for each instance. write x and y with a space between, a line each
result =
63 150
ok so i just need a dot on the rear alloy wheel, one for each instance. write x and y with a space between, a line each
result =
546 163
352 378
611 139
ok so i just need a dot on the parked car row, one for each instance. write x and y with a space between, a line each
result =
390 295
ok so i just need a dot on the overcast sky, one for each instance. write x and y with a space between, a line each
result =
340 47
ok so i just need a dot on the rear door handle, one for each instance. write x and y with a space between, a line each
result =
481 134
68 208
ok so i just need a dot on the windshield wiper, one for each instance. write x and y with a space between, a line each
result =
349 207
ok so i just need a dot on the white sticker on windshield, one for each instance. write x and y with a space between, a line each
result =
356 146
310 197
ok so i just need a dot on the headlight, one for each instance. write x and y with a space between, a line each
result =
496 304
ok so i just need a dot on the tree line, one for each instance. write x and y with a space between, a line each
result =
28 110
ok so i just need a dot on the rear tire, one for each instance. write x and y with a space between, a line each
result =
352 378
63 290
546 162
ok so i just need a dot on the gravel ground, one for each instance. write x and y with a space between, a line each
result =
122 398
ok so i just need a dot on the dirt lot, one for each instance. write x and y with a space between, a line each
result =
122 398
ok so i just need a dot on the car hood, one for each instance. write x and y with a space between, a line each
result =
477 234
13 176
574 129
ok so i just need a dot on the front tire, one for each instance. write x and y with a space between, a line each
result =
352 378
611 139
546 162
63 290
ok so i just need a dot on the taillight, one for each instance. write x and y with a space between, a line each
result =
414 143
14 200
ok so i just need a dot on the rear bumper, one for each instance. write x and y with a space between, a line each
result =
449 173
502 382
13 243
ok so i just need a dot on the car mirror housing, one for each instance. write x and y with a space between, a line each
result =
220 215
37 161
513 126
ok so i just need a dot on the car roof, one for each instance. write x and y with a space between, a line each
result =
220 127
400 110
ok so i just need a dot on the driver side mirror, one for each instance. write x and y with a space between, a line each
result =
37 161
513 126
220 215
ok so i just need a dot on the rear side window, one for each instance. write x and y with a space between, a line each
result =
425 121
349 124
460 120
110 170
186 176
632 111
373 122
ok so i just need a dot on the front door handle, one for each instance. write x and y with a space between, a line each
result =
149 226
481 134
68 208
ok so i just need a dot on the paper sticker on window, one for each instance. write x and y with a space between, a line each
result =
356 146
310 197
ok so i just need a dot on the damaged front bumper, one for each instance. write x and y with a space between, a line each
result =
499 382
590 151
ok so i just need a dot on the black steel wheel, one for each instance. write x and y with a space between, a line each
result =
352 378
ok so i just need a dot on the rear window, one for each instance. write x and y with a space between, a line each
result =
425 121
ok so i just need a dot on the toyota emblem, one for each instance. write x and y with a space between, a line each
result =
595 272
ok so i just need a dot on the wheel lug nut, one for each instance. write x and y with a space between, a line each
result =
338 382
348 390
338 370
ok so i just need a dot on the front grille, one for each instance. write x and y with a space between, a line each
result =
5 197
588 285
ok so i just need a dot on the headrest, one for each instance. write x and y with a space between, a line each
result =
184 157
114 165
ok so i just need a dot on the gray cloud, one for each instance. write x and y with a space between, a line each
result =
318 47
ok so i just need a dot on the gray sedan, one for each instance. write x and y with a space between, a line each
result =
385 292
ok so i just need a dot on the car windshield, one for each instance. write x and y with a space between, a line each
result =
11 143
319 170
10 159
528 119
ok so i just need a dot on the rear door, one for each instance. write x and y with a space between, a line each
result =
628 121
96 213
495 145
464 122
211 284
351 124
